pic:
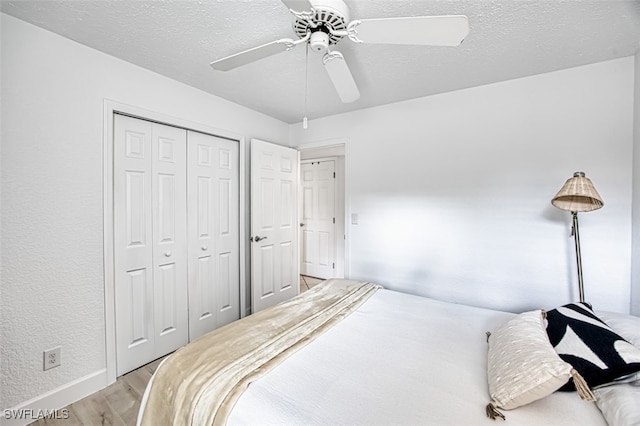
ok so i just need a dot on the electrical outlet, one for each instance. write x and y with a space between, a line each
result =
52 358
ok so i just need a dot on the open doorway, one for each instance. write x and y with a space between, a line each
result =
322 214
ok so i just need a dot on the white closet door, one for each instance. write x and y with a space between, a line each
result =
133 240
171 319
227 231
149 240
274 248
318 219
213 203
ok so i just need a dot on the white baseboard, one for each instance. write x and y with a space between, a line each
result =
52 402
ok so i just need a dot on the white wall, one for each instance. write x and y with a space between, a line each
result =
53 91
635 266
453 191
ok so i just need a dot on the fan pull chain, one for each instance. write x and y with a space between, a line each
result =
306 85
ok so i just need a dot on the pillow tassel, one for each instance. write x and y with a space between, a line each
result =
582 387
493 413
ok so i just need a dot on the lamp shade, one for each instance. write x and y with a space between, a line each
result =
578 195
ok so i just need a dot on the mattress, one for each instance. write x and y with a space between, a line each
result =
398 359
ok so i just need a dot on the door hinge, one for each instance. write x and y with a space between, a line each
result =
334 175
334 220
334 265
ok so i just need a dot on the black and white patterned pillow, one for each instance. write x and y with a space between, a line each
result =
590 345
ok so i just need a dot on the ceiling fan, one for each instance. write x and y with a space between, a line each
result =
323 23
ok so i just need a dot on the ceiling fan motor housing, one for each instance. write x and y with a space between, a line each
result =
329 14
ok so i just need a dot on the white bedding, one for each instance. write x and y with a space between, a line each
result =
399 359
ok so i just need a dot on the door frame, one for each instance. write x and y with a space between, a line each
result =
329 146
110 108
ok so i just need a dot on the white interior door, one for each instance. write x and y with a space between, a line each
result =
318 218
214 263
149 241
274 249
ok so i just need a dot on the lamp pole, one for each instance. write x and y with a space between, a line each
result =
575 231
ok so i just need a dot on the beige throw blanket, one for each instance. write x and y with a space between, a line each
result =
200 383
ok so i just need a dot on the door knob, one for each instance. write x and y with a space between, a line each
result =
204 248
168 254
301 225
258 238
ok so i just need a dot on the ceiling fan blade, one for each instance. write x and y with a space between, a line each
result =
298 5
340 76
448 30
254 54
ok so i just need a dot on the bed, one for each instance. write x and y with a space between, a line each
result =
379 357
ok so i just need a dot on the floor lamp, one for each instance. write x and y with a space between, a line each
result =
578 195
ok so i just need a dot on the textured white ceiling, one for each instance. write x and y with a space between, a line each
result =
178 38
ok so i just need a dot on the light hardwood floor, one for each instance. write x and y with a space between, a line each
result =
307 282
118 403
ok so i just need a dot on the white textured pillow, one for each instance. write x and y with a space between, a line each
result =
627 326
522 365
619 400
619 404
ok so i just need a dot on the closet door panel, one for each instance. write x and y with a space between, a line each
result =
213 205
133 243
169 145
227 231
200 205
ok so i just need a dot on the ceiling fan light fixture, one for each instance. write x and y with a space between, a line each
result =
319 41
